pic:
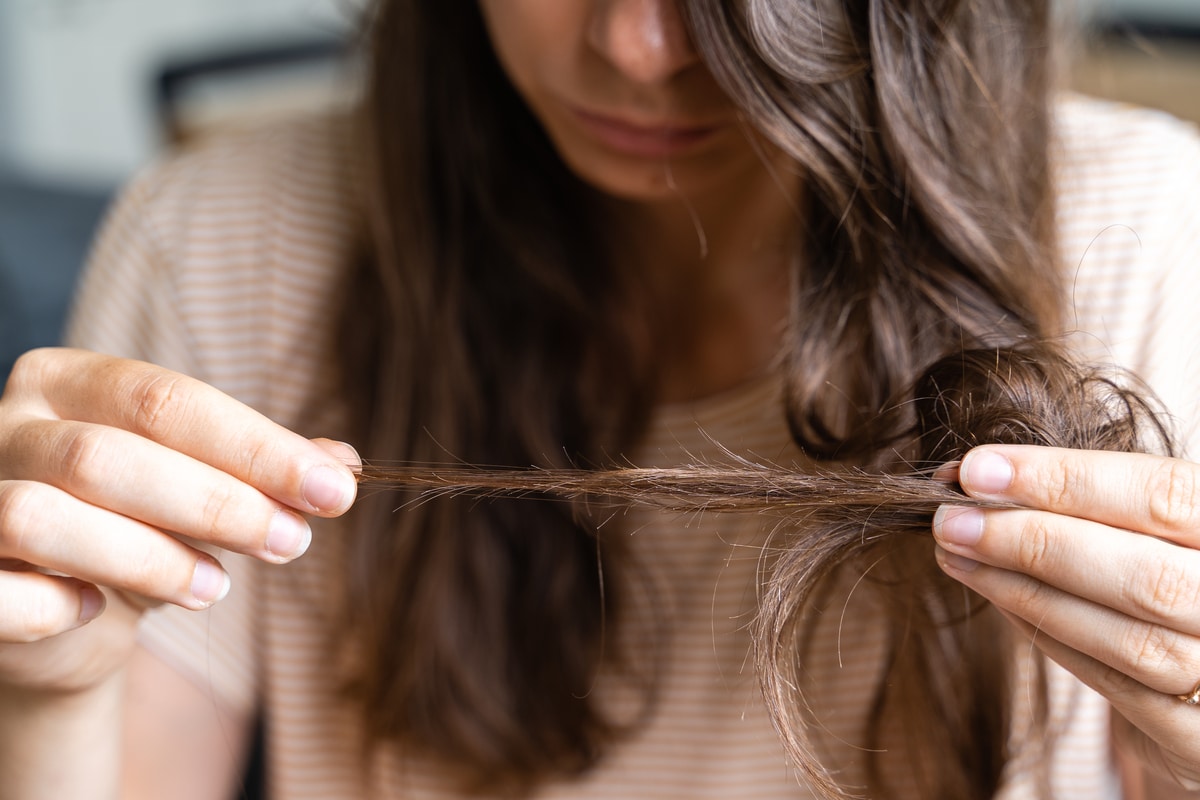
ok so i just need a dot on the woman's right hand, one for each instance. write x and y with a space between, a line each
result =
105 466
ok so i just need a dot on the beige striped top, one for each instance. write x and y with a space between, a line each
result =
222 262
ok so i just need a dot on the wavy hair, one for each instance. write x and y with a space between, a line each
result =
490 329
835 517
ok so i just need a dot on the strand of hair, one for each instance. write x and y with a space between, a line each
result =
745 487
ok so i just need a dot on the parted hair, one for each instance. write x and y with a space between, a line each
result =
484 323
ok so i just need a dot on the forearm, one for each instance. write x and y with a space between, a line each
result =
61 747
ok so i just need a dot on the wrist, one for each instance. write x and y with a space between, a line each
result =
62 744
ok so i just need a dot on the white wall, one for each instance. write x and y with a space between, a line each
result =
76 76
1168 9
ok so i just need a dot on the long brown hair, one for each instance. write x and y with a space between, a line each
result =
476 334
484 325
838 516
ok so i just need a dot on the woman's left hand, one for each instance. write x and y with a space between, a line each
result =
1100 567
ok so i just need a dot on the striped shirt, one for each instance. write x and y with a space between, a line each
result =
222 262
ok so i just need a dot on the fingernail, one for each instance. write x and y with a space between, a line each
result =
210 583
947 473
288 536
91 603
959 525
954 563
986 472
327 489
350 457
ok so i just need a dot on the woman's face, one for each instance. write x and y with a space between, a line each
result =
622 94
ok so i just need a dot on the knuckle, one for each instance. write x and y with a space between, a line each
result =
1167 591
1026 598
1034 545
20 507
35 607
30 370
222 507
264 462
82 458
41 618
260 458
153 574
1152 649
161 572
265 459
158 404
1062 486
1172 495
1117 686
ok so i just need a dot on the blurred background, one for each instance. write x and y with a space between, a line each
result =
92 89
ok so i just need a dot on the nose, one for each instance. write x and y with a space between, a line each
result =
645 40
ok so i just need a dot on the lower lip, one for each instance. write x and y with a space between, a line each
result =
644 142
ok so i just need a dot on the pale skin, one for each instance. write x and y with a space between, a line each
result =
85 439
1100 571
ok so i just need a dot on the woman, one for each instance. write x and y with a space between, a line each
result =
583 232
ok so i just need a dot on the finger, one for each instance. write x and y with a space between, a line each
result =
1163 659
342 452
1142 577
43 525
1161 761
1145 493
35 606
948 472
1158 728
138 478
189 416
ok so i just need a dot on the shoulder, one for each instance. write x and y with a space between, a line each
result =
1123 167
1092 130
1130 240
223 260
1127 180
260 181
1119 165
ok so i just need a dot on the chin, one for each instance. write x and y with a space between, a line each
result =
636 186
642 181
